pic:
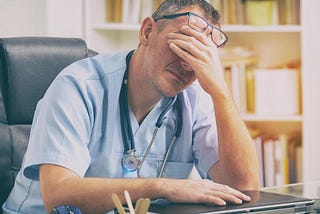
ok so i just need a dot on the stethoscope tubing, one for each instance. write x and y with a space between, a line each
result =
158 124
126 129
177 134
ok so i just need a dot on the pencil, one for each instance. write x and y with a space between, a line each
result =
118 204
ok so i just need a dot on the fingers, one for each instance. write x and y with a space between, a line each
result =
193 46
201 53
203 191
220 192
225 190
227 197
203 38
187 51
187 46
191 38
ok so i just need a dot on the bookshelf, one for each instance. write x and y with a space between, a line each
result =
275 45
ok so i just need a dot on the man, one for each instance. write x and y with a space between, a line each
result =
94 127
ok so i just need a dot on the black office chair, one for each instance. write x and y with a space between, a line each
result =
27 67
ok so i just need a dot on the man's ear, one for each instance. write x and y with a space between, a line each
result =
145 30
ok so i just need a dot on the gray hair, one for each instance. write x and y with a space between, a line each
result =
168 7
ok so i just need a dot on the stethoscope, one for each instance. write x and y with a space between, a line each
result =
130 162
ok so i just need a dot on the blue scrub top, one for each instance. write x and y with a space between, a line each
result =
77 125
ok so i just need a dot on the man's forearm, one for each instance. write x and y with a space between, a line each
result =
238 163
92 195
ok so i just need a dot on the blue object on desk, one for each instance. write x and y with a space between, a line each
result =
66 209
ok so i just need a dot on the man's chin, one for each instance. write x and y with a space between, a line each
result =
172 92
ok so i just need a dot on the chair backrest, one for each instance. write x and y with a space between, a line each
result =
27 67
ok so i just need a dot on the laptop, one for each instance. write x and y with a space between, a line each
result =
261 202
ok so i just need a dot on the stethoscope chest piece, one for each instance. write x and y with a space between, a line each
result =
130 161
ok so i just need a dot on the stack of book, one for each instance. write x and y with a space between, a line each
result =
238 63
280 159
262 91
129 11
259 12
253 12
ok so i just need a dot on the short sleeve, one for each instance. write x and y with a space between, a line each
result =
61 128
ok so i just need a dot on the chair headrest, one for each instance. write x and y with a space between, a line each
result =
27 67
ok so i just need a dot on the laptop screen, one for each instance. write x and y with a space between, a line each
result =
260 201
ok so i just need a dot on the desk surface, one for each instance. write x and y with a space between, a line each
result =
309 189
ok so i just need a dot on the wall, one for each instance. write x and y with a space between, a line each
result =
65 18
41 18
22 17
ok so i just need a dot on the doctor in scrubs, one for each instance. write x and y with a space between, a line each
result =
94 134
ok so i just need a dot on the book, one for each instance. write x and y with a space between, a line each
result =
117 10
131 11
277 91
250 89
235 11
225 17
298 162
258 142
146 9
235 78
240 12
289 12
156 4
295 160
135 8
217 4
125 10
109 10
113 11
269 162
281 160
238 82
236 62
232 13
261 12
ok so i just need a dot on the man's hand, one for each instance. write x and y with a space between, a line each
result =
201 191
201 53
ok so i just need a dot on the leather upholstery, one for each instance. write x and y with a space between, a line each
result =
27 67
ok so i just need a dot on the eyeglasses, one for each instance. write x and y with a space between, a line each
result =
199 24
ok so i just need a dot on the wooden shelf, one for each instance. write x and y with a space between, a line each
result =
227 28
272 118
262 28
116 27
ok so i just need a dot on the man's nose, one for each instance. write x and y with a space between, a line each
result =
185 65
